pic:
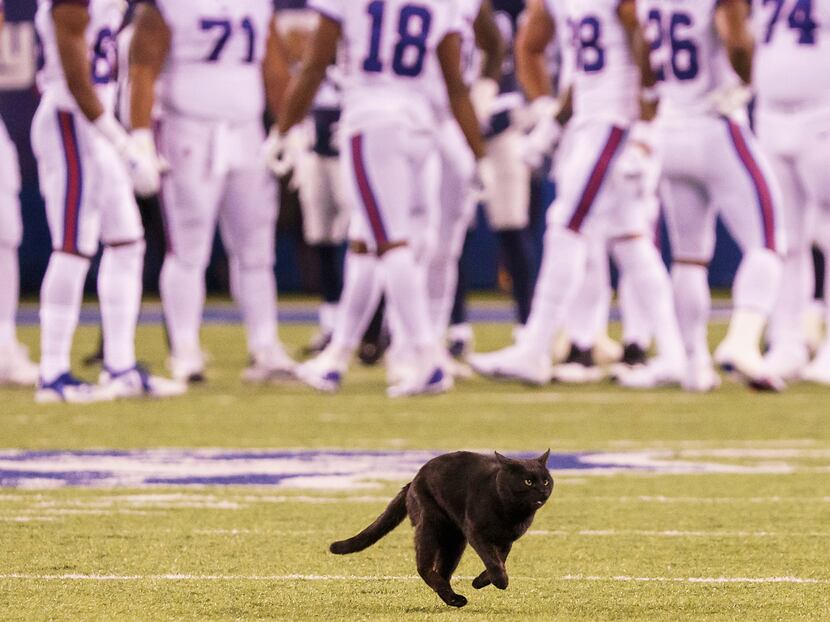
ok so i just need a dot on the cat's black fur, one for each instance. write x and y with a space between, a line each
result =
459 498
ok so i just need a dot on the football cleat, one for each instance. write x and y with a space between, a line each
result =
787 362
68 389
578 368
819 370
322 373
137 382
432 383
513 363
659 372
269 365
747 366
16 368
187 367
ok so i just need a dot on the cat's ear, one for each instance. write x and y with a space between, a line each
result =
543 459
503 459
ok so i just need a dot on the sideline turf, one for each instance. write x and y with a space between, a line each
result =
663 527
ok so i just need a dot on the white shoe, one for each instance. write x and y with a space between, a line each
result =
269 365
187 366
455 368
576 373
787 362
16 368
68 389
701 378
819 370
137 382
322 373
658 372
747 366
513 363
432 382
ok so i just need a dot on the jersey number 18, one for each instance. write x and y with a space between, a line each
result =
410 51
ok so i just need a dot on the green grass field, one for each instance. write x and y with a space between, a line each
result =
747 539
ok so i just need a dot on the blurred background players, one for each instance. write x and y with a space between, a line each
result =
217 64
601 183
15 366
702 53
792 119
84 156
389 129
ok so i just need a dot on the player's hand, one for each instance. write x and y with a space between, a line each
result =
144 163
540 142
483 95
276 154
732 99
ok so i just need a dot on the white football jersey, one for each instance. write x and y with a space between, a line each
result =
686 52
214 67
105 18
792 52
387 47
606 81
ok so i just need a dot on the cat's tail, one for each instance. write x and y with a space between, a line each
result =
392 516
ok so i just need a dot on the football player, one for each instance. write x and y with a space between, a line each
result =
15 366
702 52
217 63
601 182
793 124
389 131
85 163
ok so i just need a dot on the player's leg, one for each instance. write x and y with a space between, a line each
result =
248 217
691 225
388 166
750 202
191 195
64 144
15 366
564 261
507 208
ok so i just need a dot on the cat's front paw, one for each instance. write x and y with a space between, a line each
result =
456 600
482 580
500 580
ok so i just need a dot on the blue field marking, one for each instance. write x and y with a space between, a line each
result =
498 313
300 469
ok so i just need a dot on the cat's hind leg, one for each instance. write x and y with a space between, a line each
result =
451 548
428 556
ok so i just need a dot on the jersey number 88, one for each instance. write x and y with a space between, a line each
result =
410 51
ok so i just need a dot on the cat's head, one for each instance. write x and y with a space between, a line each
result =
528 481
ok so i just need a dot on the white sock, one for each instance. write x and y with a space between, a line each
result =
563 271
9 293
635 325
589 309
788 320
442 277
119 293
754 293
60 304
327 313
405 285
257 292
693 302
183 298
643 266
362 289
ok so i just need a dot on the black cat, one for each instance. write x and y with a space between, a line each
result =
488 501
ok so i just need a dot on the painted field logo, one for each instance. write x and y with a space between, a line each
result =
329 469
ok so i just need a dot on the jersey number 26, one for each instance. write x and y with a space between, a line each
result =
410 51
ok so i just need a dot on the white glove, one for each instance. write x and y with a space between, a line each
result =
146 167
638 167
483 95
276 153
732 99
138 153
540 142
541 108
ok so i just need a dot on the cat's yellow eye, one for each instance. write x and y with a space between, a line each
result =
528 482
545 482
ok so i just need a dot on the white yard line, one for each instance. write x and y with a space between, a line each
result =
316 577
673 533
